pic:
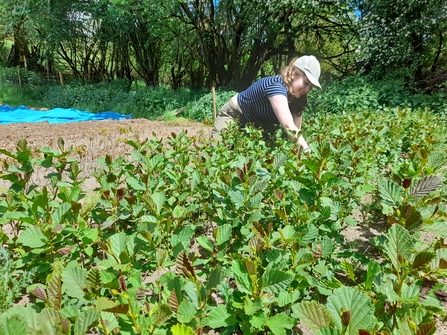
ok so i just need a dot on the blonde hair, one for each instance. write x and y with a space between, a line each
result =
289 72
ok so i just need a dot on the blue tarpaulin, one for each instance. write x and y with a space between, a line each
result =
21 114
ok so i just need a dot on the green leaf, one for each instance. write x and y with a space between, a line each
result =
251 307
118 243
391 193
162 314
278 324
388 290
186 311
372 271
13 325
33 237
242 276
181 329
192 293
18 216
399 245
263 173
219 317
135 184
438 228
425 186
307 196
404 325
89 235
411 293
436 160
85 321
55 292
288 233
279 161
159 199
183 237
205 243
90 202
255 200
74 282
287 298
109 320
237 198
215 278
70 312
311 165
311 235
327 247
313 314
332 205
148 219
258 186
223 234
47 319
258 320
196 178
348 269
355 307
178 211
58 216
104 303
274 281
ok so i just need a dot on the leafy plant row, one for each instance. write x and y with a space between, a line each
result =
243 236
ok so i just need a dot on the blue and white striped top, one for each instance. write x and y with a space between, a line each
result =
256 106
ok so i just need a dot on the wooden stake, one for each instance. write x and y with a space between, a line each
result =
214 101
61 78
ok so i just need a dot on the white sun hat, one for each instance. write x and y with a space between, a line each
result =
311 68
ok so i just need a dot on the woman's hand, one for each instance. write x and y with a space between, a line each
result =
302 144
290 124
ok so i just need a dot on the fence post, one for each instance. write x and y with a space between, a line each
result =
61 78
213 89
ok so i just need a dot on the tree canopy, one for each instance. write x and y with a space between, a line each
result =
199 43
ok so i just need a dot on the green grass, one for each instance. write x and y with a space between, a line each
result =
16 96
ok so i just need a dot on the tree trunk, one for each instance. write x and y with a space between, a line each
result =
19 52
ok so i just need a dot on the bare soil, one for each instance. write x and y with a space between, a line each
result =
93 139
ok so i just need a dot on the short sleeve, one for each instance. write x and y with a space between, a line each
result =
274 87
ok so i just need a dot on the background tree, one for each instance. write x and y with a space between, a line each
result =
236 38
404 38
18 26
198 43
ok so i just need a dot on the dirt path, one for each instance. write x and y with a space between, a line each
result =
96 134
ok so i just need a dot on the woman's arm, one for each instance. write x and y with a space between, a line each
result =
298 120
290 124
